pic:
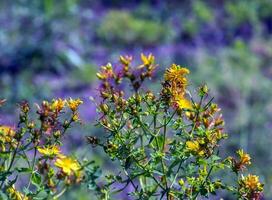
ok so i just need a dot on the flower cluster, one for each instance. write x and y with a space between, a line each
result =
242 162
7 139
209 127
36 145
167 144
111 78
175 85
250 187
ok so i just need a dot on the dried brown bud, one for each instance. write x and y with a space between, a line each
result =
92 140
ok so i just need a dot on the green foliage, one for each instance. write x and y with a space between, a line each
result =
243 12
202 11
123 27
32 152
167 146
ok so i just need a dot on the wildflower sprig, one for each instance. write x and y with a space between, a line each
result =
32 151
167 143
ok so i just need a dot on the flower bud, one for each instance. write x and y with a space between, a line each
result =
203 90
181 182
30 125
104 108
57 134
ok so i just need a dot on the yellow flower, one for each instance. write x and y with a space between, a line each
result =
15 195
252 183
183 103
68 165
106 72
57 104
74 103
6 130
147 60
176 74
125 60
244 157
214 136
49 151
7 133
194 147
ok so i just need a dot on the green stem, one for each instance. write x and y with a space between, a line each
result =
197 115
162 163
60 194
11 163
32 166
179 167
168 120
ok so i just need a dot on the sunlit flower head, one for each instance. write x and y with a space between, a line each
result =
7 133
68 165
244 157
176 74
251 182
74 103
194 147
49 151
147 60
6 130
182 103
57 104
105 72
125 60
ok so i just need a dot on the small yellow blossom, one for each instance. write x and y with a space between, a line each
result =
244 157
106 72
147 60
74 103
101 76
7 133
49 151
214 136
6 129
68 165
183 103
125 60
176 74
57 104
194 147
252 183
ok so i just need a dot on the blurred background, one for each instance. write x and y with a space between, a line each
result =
51 49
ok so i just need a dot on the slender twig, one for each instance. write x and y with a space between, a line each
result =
197 115
11 163
169 120
32 167
177 172
60 194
